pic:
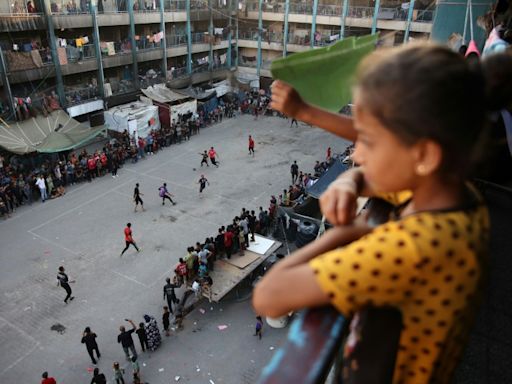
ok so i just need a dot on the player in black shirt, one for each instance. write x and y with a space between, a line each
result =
137 199
64 283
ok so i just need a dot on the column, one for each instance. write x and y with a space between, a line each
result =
55 56
313 24
97 49
6 84
260 32
189 40
344 13
409 19
228 59
210 33
164 41
135 66
375 15
285 32
236 39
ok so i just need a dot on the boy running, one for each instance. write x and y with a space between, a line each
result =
202 183
204 158
212 154
165 194
251 145
128 239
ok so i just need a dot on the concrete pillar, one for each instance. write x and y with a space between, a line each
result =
344 13
260 32
285 32
97 49
210 33
189 39
228 62
313 24
6 84
236 42
164 40
135 66
55 56
375 15
409 19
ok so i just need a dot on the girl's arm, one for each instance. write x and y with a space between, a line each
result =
285 99
291 283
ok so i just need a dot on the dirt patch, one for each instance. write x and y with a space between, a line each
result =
58 328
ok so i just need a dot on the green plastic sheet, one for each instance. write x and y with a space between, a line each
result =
324 76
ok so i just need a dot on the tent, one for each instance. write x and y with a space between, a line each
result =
137 117
53 133
327 178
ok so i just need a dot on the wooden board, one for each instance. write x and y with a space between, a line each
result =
243 261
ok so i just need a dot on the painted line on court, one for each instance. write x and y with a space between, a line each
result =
129 278
14 326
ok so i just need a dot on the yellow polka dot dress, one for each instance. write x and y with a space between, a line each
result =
429 266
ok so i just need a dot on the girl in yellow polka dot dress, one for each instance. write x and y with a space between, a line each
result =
419 113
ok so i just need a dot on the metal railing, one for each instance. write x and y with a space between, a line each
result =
80 95
266 37
176 40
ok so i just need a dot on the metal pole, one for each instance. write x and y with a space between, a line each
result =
97 49
285 32
7 85
344 14
55 56
164 40
260 32
465 23
135 66
212 37
375 15
313 24
409 19
236 41
189 39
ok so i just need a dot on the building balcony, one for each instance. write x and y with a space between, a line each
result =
14 22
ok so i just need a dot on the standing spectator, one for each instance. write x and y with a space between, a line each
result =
47 380
125 338
89 339
64 281
129 239
328 155
228 241
259 327
141 333
152 332
294 120
294 170
251 145
118 373
40 183
180 273
165 320
137 199
98 378
169 293
31 8
135 365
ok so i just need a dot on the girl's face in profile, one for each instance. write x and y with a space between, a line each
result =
387 162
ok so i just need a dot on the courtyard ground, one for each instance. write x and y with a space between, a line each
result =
84 232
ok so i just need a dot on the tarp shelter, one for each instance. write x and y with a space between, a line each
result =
54 133
137 117
183 109
323 77
162 94
327 178
222 87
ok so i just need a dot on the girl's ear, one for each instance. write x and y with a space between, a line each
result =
429 157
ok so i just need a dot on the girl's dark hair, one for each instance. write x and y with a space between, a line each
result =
426 91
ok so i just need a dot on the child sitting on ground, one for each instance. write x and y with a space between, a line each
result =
419 112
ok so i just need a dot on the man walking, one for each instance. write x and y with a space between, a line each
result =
212 155
251 145
89 339
294 170
128 239
98 378
137 199
169 294
40 183
64 281
202 183
294 120
125 338
165 194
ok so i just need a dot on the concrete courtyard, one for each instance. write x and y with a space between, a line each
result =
84 232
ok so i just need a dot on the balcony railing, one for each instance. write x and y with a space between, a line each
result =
176 40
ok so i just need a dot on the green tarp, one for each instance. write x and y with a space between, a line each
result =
323 77
54 133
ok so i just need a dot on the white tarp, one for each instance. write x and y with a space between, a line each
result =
182 109
222 87
82 109
261 245
145 115
162 94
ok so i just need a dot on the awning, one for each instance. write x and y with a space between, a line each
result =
327 178
54 133
162 94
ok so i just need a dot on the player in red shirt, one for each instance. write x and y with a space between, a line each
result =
212 154
228 241
128 238
47 380
251 145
